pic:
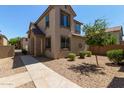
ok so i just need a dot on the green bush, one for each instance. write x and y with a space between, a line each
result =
82 54
24 52
115 55
88 53
71 56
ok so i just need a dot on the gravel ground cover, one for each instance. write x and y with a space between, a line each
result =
85 73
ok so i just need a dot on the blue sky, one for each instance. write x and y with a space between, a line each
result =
14 20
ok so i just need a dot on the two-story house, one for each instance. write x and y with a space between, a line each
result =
56 33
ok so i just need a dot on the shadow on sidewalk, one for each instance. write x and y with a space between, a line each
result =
116 82
17 62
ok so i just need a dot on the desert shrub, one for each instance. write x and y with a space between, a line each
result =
71 56
82 54
115 55
88 53
24 52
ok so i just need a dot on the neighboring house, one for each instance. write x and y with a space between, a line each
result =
117 32
3 40
24 43
18 45
56 33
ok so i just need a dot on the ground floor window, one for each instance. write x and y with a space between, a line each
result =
48 42
65 42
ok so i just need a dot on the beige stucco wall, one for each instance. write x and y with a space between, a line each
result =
49 32
31 43
60 31
77 44
29 46
6 51
37 46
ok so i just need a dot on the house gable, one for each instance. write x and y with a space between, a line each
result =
68 8
44 13
53 6
72 11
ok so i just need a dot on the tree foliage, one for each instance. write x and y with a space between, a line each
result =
96 35
14 41
109 39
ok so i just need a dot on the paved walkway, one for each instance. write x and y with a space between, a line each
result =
15 80
44 77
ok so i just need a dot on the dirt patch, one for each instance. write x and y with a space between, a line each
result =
12 65
85 73
28 85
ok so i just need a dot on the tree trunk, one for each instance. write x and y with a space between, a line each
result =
97 60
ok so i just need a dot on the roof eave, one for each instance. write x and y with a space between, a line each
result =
44 13
78 35
78 22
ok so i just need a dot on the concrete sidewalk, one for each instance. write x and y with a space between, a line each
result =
44 77
14 81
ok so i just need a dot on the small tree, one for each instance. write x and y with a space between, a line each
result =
14 41
96 35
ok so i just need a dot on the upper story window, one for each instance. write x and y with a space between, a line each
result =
65 6
65 19
47 21
78 27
